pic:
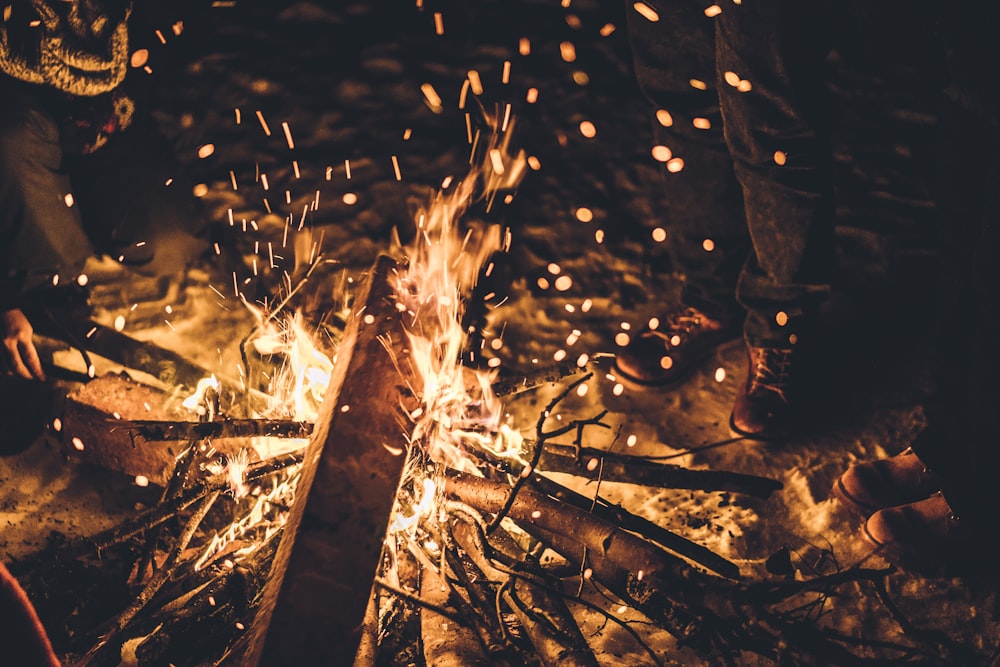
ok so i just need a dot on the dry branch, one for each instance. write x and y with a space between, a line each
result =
227 428
543 436
549 374
533 508
445 641
617 515
158 514
591 463
544 616
154 584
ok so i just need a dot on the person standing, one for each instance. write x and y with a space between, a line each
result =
740 101
934 504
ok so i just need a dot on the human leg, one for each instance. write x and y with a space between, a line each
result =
137 204
706 236
39 218
960 442
674 64
770 57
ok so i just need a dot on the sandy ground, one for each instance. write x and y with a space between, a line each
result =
339 91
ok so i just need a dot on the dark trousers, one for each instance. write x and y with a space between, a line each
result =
743 96
128 200
962 440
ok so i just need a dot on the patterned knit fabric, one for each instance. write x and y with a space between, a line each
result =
79 51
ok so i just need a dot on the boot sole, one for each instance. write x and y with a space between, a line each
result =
763 436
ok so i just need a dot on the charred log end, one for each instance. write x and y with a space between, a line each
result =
314 604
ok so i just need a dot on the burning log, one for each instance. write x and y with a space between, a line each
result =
314 604
95 427
86 434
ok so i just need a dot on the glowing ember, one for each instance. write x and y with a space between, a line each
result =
646 12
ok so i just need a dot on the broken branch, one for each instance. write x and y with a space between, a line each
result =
226 428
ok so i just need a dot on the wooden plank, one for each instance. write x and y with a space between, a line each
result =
314 603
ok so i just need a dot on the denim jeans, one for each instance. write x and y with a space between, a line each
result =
58 208
750 215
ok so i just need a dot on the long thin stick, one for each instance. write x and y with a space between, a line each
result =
640 470
225 428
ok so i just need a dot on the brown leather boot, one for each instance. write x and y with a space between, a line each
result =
917 533
764 408
666 353
868 487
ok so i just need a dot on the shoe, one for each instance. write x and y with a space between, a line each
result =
763 409
868 487
665 354
917 533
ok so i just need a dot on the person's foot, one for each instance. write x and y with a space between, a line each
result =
765 407
665 352
920 533
874 485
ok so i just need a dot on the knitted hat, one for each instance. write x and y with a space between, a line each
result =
78 47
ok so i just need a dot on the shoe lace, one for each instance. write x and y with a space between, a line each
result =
771 372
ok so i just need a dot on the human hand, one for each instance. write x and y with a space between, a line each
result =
19 354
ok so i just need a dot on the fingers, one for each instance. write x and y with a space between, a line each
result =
30 361
14 363
21 355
